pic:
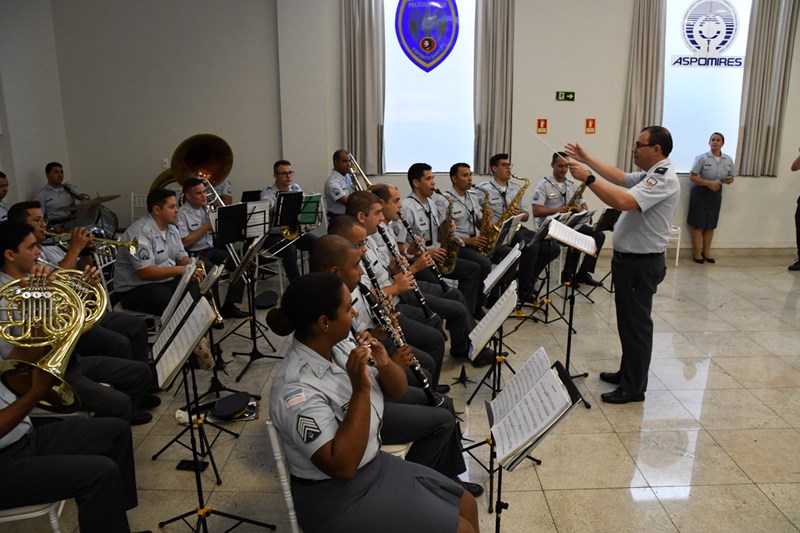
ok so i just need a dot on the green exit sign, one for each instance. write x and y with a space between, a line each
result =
565 96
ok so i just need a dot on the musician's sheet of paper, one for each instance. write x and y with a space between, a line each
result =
486 328
186 277
257 218
500 269
570 237
181 334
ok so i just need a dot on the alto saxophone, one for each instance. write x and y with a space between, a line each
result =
574 204
449 241
493 230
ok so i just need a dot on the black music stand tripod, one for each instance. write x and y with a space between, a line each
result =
203 510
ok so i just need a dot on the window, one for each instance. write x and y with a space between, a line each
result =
429 116
704 64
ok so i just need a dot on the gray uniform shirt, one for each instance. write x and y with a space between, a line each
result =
189 219
52 199
499 199
709 168
3 210
550 194
308 402
52 253
423 217
156 248
337 186
224 188
467 211
646 230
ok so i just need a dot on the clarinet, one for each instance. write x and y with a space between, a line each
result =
381 312
399 260
421 245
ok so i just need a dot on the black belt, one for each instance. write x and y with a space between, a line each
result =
304 481
195 252
625 255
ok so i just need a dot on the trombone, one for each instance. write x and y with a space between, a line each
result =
63 239
360 180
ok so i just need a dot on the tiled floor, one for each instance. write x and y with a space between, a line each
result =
715 447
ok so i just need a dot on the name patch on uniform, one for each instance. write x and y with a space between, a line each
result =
661 170
651 181
307 428
294 397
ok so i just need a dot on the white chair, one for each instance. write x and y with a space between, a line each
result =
398 450
138 205
675 235
283 474
52 510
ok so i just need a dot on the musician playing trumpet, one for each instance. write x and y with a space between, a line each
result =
551 196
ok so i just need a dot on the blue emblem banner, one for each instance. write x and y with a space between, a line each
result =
427 30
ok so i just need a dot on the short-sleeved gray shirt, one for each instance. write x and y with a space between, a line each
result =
550 194
423 217
709 167
337 186
189 219
156 248
467 211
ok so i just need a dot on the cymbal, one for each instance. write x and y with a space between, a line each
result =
89 203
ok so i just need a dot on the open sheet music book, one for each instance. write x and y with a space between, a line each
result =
186 277
531 404
501 268
570 237
486 328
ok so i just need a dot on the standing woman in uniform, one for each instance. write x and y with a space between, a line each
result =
327 404
709 172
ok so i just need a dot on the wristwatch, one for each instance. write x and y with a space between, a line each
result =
590 179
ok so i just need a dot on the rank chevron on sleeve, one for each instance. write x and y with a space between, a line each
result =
307 428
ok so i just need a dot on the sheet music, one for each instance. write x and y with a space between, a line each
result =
532 416
211 278
186 277
167 330
570 237
486 328
257 218
501 268
189 333
523 381
513 225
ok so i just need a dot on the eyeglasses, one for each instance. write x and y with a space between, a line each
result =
506 165
360 244
289 173
638 145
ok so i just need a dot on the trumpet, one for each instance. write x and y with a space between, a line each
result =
63 239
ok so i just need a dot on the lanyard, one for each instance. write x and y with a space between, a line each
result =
564 192
468 205
428 212
502 194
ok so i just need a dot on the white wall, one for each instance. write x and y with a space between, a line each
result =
136 78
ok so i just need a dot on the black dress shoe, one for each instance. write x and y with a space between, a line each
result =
231 311
621 396
150 401
794 267
485 358
615 378
140 417
709 259
473 488
698 261
442 389
587 279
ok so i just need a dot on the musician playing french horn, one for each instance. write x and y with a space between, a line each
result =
423 218
553 195
197 236
502 193
284 182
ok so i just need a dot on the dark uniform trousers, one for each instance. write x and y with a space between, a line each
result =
797 226
452 308
533 260
433 430
289 254
89 459
215 256
129 381
119 335
468 275
151 298
636 278
427 338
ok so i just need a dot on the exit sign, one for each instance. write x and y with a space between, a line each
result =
565 96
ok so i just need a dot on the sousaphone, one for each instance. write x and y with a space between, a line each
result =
203 155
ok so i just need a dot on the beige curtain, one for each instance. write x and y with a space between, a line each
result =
363 82
773 24
644 101
494 67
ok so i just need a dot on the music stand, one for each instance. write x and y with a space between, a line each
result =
191 320
608 218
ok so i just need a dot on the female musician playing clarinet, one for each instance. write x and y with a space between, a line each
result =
327 404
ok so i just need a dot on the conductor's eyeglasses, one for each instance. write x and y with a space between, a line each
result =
289 173
638 145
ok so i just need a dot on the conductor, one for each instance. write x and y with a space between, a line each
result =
640 237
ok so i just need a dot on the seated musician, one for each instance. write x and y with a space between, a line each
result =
145 281
450 306
197 237
339 184
327 404
56 195
424 334
422 215
550 197
417 416
225 192
89 459
284 182
503 191
3 194
129 379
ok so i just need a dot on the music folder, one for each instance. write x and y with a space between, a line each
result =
533 402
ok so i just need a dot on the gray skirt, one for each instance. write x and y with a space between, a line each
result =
704 206
388 495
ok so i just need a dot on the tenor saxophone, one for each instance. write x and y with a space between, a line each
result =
449 241
492 232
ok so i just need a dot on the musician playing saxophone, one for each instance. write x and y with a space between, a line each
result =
469 216
424 219
502 190
551 196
